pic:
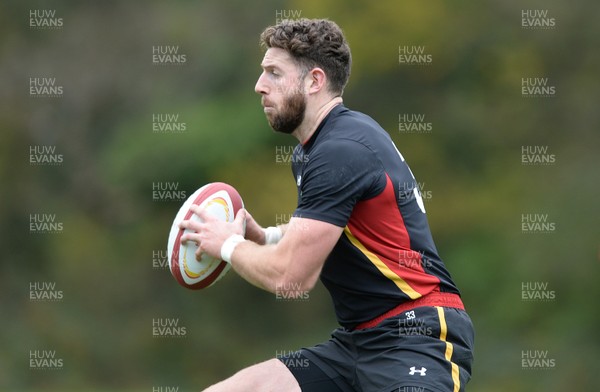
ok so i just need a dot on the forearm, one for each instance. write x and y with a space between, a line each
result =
261 265
292 265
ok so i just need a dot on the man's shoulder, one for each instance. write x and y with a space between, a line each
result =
352 124
348 131
341 115
345 135
340 146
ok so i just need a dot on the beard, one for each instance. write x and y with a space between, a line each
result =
291 115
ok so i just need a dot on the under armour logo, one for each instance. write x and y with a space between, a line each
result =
414 370
298 180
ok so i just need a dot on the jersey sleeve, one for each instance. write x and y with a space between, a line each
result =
337 175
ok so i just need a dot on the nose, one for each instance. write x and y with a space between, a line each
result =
261 87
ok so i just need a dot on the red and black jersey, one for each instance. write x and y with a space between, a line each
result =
350 174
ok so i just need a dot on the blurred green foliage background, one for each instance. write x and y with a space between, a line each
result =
103 260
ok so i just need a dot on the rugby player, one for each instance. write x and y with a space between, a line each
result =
359 226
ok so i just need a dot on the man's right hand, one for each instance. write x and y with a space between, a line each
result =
254 232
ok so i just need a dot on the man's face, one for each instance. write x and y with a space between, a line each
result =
281 85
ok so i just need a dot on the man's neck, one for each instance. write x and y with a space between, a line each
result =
310 124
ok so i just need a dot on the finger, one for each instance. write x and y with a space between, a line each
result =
190 225
201 213
185 238
240 220
195 237
240 217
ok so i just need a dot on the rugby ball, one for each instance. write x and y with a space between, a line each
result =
220 200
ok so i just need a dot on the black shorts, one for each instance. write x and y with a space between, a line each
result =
423 349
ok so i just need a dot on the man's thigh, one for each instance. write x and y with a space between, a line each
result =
268 376
313 377
431 350
426 348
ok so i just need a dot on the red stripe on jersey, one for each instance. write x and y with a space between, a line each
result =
386 237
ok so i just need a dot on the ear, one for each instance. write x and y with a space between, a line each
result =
316 80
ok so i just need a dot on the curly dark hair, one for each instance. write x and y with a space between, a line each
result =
313 43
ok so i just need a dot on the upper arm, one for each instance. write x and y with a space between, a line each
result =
336 176
306 245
